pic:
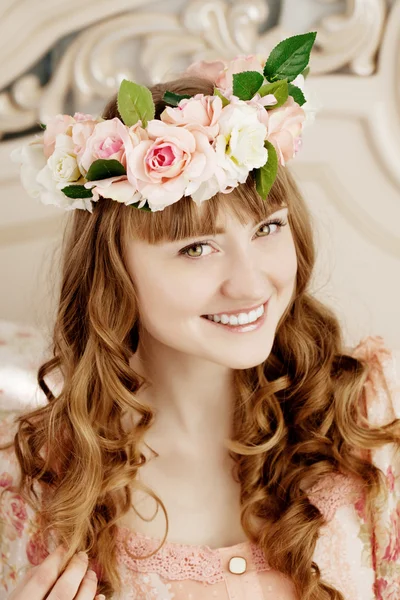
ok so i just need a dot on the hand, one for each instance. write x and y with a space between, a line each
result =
44 582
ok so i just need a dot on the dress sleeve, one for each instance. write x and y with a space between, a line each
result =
20 544
382 405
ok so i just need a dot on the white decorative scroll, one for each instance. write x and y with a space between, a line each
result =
161 44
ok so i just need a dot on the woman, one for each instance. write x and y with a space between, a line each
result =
199 375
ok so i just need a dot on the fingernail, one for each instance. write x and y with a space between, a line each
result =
90 574
101 597
83 556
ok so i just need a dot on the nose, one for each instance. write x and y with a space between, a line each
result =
246 279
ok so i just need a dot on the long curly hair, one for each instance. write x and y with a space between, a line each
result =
297 418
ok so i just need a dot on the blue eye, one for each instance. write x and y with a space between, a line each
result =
278 222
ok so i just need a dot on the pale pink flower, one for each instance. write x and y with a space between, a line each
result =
207 69
78 116
164 165
200 112
81 132
242 63
391 478
62 124
122 188
15 515
106 142
115 188
392 551
387 590
285 125
56 125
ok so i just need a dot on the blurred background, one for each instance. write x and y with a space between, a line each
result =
62 57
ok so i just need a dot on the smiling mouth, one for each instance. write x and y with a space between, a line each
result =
238 319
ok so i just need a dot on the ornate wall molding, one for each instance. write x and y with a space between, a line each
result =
162 44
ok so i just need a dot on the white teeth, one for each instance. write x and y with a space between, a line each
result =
240 319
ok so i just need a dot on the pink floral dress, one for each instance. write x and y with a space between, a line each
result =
361 559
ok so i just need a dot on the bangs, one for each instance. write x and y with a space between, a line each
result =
184 219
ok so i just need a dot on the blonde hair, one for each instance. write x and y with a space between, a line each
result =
297 415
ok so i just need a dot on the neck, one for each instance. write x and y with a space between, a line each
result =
193 398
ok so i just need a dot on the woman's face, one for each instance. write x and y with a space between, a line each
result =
179 283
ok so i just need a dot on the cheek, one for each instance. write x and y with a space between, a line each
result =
166 298
285 269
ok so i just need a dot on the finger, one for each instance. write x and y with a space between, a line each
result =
88 587
68 583
27 575
38 581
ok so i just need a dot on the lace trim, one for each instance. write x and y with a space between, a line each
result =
180 561
332 492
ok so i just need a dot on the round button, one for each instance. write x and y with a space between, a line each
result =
237 565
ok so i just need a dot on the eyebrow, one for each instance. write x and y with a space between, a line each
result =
222 230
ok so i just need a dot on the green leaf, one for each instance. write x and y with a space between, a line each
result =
103 169
174 99
279 89
225 101
246 84
297 94
290 57
135 102
77 191
266 175
42 126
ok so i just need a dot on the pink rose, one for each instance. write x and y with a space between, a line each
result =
207 69
56 125
81 132
285 125
105 142
78 116
122 188
200 111
15 515
239 64
61 124
115 188
165 164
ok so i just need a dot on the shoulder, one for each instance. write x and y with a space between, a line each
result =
376 544
382 386
381 405
20 542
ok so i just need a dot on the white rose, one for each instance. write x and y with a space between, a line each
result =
62 162
240 144
38 180
32 160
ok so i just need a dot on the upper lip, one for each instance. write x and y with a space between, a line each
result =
238 311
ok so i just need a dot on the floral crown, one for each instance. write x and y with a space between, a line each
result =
199 146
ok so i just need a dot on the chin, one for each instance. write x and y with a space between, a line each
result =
245 359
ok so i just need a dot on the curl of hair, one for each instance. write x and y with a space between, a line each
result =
297 415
